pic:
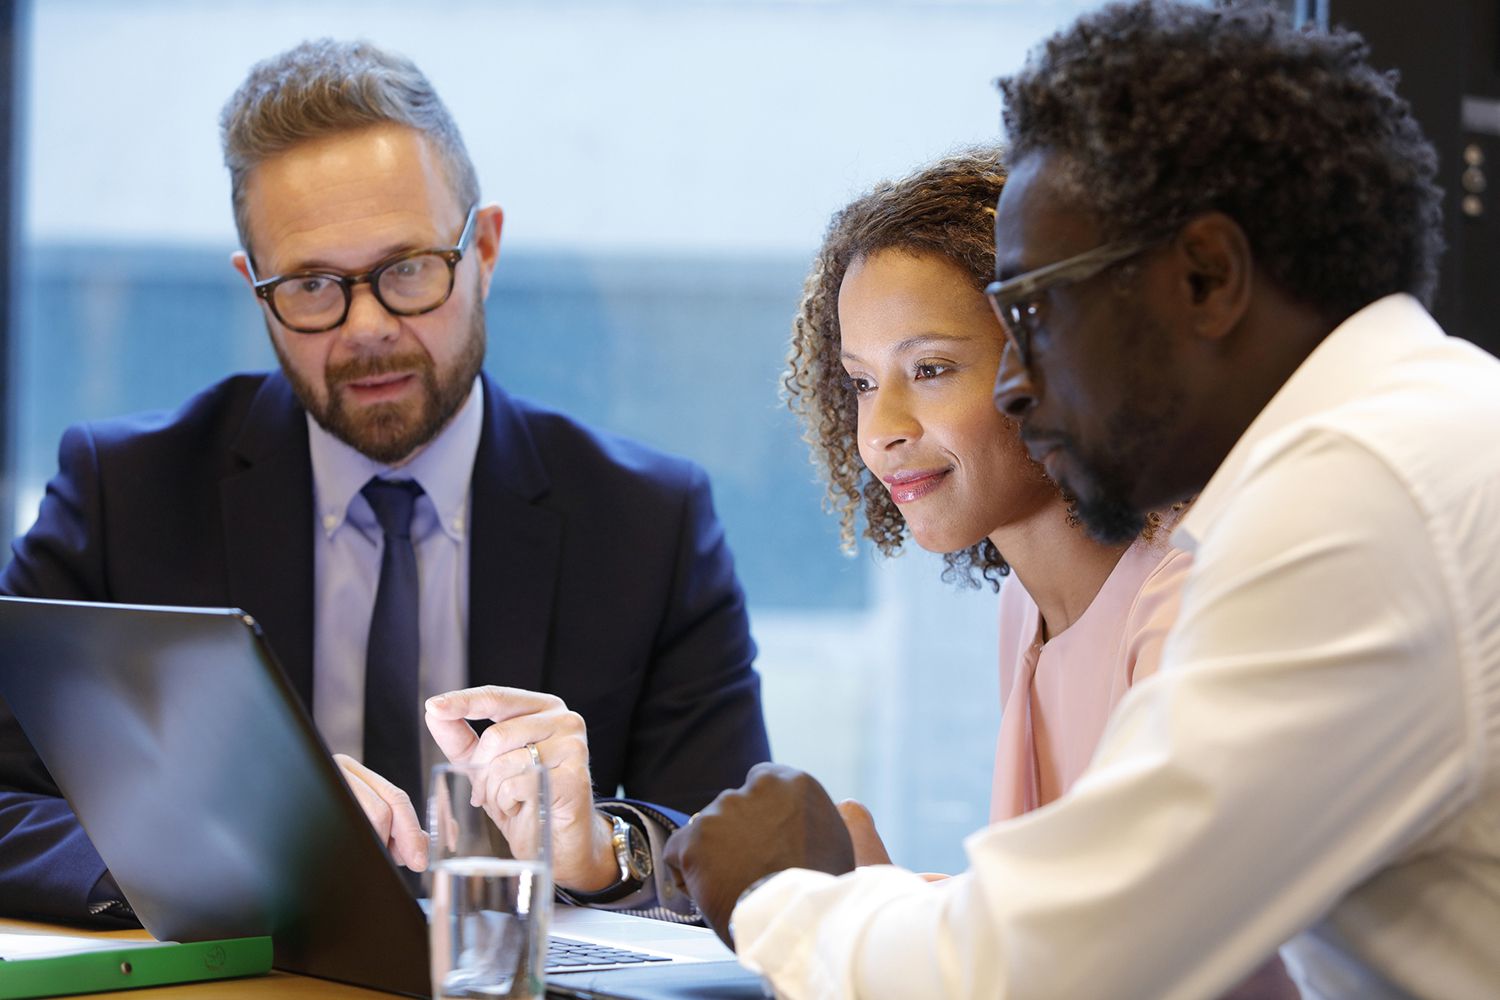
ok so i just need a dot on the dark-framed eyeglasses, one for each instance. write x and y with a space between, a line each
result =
1017 301
405 284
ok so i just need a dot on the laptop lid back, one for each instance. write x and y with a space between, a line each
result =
200 778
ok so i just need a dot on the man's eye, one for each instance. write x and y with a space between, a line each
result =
312 284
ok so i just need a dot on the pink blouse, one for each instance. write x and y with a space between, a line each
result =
1056 696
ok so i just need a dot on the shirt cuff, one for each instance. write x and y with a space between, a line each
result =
106 901
802 929
657 897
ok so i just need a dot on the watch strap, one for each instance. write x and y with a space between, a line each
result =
622 831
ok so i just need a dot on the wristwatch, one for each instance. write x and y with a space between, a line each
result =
632 851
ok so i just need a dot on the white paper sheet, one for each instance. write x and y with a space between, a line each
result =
39 944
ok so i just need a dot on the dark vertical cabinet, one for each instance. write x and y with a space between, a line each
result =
10 86
1448 55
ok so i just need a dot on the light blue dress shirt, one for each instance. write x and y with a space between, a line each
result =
347 545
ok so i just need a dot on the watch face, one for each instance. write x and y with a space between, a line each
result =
640 854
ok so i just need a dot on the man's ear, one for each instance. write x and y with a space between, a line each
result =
487 224
1218 269
241 263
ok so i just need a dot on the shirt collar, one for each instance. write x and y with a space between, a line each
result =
444 469
1339 368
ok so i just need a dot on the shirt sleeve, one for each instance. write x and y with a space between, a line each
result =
50 866
658 896
697 727
1307 727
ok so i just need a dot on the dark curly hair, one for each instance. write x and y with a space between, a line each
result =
947 209
1163 110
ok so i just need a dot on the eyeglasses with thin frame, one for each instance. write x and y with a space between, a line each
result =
1017 301
405 284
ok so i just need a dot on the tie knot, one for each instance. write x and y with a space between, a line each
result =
392 501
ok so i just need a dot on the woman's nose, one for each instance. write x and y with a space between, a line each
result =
888 420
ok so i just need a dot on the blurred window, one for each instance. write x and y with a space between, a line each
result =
666 169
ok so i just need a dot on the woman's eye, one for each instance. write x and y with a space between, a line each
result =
930 369
860 385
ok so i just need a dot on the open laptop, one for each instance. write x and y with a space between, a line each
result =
198 775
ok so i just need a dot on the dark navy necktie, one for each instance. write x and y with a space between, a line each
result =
392 714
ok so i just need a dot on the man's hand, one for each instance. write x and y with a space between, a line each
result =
583 856
389 811
779 818
869 849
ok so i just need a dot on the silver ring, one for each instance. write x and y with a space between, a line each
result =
536 758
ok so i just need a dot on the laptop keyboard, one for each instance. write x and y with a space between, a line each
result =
570 954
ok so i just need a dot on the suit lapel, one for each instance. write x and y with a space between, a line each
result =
268 526
513 555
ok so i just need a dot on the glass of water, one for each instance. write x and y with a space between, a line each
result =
491 864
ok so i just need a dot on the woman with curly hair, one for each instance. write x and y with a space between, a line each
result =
893 362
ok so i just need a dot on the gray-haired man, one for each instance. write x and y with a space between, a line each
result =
571 587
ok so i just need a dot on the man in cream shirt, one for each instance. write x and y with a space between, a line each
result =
1214 252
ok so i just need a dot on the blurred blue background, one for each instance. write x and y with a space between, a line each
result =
667 170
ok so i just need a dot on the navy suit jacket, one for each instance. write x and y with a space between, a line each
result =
598 572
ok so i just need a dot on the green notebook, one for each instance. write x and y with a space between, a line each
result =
33 971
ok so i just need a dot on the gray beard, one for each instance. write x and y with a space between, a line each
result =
391 432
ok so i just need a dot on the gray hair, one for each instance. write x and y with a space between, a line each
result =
323 88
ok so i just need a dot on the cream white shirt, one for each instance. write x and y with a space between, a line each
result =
1319 753
347 546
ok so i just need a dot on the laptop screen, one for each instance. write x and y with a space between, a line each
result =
200 778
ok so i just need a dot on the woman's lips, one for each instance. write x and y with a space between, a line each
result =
907 487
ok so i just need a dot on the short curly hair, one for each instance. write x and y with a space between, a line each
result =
1163 110
946 209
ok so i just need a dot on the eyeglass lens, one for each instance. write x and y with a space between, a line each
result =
1013 317
408 286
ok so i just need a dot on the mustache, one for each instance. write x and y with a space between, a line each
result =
377 364
1040 439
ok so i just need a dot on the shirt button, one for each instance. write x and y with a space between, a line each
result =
329 522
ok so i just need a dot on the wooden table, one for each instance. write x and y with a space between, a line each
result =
282 985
